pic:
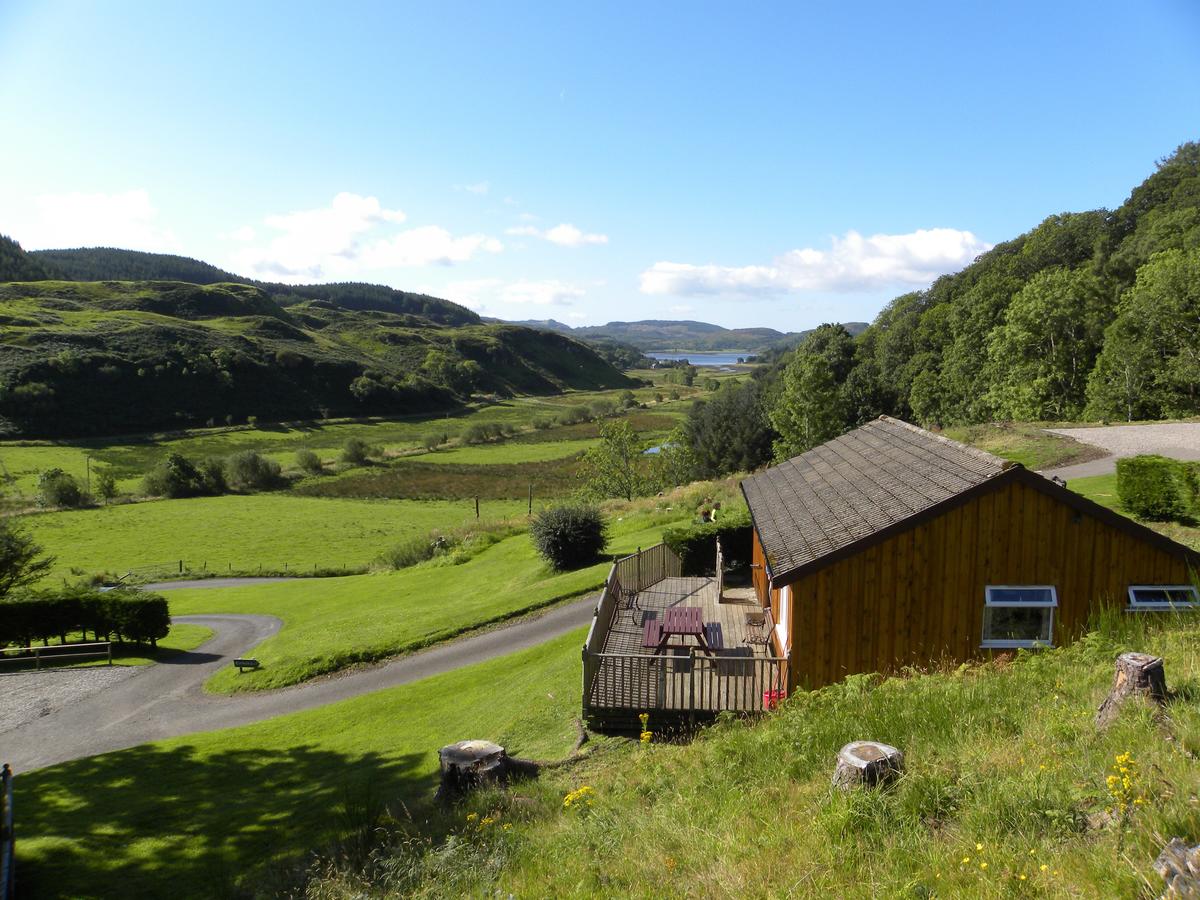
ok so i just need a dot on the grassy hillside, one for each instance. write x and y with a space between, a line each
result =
1005 793
120 357
189 817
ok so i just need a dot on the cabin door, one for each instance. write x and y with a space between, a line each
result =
783 626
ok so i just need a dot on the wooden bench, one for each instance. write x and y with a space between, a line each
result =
714 636
243 664
651 633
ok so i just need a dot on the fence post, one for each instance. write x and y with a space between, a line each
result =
37 657
110 653
531 499
181 567
477 507
639 568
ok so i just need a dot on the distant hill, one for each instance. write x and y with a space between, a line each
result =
111 264
668 334
17 264
107 357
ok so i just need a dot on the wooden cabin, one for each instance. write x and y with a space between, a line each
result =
893 546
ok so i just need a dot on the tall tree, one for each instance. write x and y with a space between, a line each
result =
729 431
614 468
809 409
21 560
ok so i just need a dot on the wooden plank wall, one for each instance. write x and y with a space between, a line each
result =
918 596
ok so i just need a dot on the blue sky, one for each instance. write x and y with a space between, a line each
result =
775 165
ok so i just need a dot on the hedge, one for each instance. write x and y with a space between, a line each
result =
126 614
697 544
1158 488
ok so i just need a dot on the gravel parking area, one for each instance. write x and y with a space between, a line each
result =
1179 440
27 696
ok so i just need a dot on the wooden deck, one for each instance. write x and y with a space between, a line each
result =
627 678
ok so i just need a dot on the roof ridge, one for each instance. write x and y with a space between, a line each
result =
1004 464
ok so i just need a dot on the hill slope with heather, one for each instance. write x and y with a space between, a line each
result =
109 357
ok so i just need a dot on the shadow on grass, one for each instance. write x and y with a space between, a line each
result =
152 822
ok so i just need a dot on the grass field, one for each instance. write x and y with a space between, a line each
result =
1004 796
245 532
186 817
1026 443
330 623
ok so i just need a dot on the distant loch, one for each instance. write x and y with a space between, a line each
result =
702 357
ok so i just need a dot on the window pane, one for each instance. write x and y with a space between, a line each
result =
1020 595
1016 624
1178 596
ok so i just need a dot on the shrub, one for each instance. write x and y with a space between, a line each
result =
475 434
626 399
1157 488
106 484
543 423
175 476
125 613
415 548
569 536
309 462
434 440
601 409
251 471
696 544
573 416
213 477
57 488
355 451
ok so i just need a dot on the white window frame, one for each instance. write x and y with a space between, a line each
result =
1001 644
1158 606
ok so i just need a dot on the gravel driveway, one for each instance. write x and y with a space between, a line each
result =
27 696
1179 440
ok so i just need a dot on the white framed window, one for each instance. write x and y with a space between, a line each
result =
1163 596
1019 615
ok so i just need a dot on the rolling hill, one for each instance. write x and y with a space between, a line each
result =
666 334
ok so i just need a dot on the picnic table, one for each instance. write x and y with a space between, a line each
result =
682 622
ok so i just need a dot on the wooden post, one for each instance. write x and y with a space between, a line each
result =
181 567
531 499
477 507
638 587
1137 675
110 653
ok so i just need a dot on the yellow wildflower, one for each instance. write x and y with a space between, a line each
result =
1043 868
979 846
983 865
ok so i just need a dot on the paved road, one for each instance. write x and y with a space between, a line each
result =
1179 440
209 583
167 699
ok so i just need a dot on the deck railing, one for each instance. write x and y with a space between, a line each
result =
692 683
7 877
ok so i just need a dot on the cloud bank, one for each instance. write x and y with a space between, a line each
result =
853 263
345 240
488 294
126 219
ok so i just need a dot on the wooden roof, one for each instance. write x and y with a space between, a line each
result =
855 486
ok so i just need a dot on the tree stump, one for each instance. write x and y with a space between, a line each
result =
1179 865
867 763
468 764
1137 675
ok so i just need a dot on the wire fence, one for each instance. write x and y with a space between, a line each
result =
182 568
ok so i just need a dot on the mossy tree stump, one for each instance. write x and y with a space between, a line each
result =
867 763
1138 675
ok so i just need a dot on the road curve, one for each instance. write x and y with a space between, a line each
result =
1178 440
168 699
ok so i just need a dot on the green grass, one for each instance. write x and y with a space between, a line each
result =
1026 443
245 532
331 623
185 817
1102 489
508 452
1005 777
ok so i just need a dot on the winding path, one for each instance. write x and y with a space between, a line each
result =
1178 440
167 699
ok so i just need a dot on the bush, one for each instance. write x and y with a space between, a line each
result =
106 484
415 549
57 488
475 434
602 409
1157 488
696 545
213 478
434 440
126 614
175 476
569 536
573 416
543 423
309 462
626 399
251 471
355 451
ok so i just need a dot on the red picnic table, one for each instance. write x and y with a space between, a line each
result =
677 621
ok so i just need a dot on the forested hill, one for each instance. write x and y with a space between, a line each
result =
109 357
17 265
1090 315
110 264
668 334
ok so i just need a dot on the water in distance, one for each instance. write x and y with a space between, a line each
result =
704 358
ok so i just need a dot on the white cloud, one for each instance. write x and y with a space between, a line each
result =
681 308
853 263
333 243
565 235
126 220
494 293
244 235
479 187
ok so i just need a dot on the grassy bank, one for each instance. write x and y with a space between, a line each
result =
1026 443
244 532
189 817
1005 796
